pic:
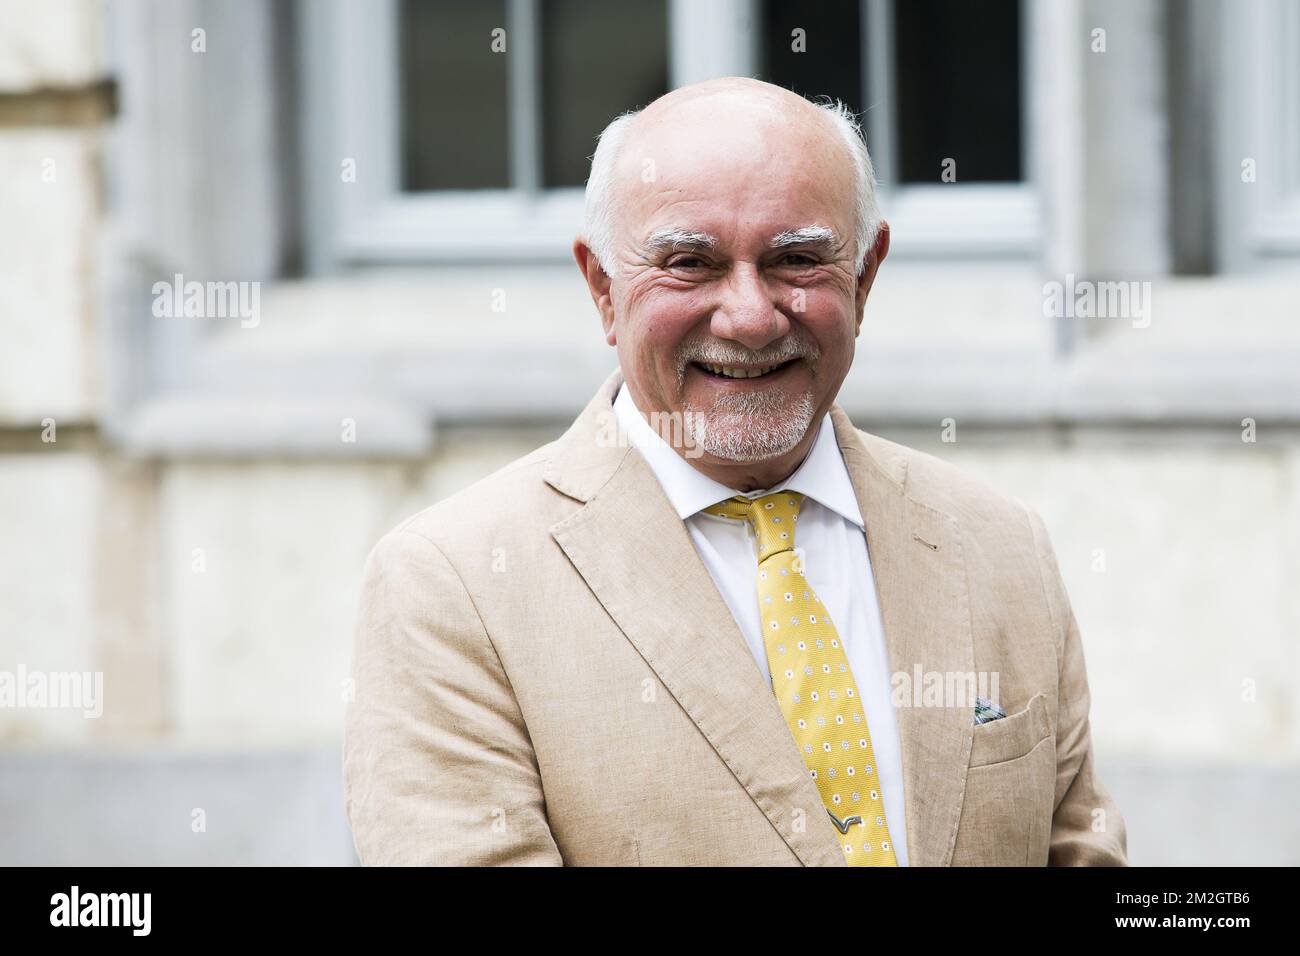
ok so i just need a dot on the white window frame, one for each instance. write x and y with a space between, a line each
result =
1258 109
352 95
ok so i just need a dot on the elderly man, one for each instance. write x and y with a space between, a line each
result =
714 623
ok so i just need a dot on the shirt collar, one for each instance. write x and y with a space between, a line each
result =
822 476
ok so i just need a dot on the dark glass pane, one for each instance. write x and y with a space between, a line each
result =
598 60
453 89
831 60
957 89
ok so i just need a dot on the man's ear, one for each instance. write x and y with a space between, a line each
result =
598 284
870 266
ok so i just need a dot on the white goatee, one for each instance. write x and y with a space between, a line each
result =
751 426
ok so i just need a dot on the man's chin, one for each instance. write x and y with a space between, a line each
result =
747 438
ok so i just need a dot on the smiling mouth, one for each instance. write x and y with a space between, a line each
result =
741 371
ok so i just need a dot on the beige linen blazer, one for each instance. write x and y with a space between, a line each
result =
545 673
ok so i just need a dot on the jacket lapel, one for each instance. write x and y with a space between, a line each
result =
638 559
916 558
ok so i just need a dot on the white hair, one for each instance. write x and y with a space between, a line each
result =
601 209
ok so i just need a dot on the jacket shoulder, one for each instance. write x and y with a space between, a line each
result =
505 497
939 484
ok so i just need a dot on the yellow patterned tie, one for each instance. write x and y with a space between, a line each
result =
812 681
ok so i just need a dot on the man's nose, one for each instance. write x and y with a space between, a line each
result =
746 312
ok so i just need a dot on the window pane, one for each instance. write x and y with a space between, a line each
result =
831 60
598 60
957 89
453 88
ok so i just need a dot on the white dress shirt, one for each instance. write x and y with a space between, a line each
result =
834 548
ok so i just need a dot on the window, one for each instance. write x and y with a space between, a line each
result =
468 124
957 89
951 74
454 92
592 60
938 84
598 59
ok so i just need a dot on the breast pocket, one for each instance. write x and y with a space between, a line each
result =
1011 736
1007 808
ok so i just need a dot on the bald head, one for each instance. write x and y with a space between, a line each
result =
724 130
718 97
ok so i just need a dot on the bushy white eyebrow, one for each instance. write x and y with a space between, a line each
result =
678 240
819 236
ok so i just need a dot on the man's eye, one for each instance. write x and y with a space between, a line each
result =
686 262
799 259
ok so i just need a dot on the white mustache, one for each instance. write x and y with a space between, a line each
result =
713 353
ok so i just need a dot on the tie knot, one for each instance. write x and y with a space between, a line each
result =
772 516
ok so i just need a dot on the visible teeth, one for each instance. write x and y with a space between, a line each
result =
733 372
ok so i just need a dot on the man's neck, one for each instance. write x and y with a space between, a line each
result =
748 476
